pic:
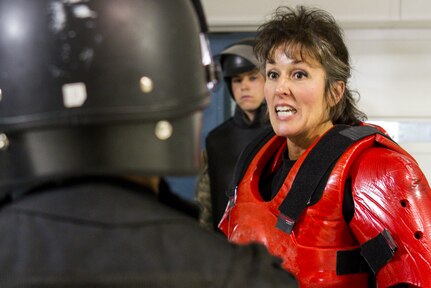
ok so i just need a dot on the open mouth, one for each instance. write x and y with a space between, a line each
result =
284 111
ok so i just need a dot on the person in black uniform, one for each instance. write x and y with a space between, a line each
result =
225 142
98 100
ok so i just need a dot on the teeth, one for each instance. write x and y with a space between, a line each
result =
284 111
285 114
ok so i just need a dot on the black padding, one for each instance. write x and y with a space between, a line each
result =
246 157
348 203
379 250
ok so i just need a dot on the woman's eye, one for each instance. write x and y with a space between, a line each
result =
299 75
271 75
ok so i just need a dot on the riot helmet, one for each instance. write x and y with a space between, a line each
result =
101 86
237 58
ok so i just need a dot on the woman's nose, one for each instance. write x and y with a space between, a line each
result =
283 87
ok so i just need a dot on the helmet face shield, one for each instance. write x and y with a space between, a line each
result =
243 54
234 65
71 66
236 59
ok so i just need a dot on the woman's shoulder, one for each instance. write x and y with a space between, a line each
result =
384 161
382 169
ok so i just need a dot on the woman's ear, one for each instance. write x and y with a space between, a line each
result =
337 92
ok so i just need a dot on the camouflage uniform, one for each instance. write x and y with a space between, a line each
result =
203 195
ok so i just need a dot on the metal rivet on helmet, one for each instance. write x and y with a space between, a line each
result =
4 141
163 130
146 84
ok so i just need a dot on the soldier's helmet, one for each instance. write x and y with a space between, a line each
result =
91 87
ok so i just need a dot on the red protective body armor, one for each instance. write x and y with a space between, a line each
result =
389 192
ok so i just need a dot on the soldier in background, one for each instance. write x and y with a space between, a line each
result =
225 142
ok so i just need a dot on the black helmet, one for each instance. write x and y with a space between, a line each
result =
100 86
238 58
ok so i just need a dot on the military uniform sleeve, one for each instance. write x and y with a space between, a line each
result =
203 195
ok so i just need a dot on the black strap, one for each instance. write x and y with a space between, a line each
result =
314 170
379 250
350 262
246 157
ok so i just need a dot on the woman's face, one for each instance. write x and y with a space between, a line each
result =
295 95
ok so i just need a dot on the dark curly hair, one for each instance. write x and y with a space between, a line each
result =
310 32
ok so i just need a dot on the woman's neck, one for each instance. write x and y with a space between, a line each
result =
299 144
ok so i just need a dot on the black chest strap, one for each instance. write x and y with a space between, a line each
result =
246 157
314 171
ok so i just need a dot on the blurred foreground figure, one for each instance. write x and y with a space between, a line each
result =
339 201
99 99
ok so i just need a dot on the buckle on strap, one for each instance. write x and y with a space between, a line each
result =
285 223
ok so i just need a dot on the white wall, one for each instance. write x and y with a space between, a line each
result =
247 15
392 72
390 46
